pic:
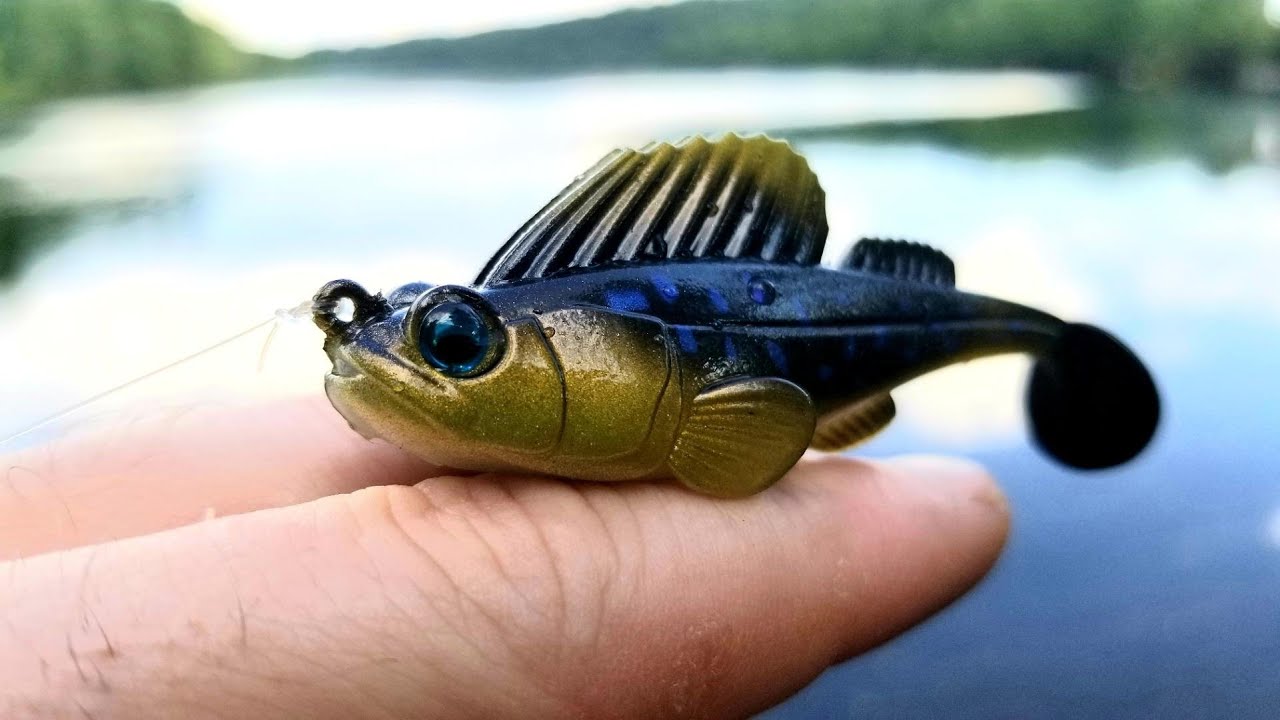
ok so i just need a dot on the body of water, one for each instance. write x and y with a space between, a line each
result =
139 229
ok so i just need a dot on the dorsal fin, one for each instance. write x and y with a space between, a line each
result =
733 198
901 259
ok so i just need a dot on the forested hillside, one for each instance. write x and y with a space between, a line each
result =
1156 41
52 48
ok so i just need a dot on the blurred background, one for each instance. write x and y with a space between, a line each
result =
172 173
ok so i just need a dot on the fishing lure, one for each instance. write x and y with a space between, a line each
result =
666 315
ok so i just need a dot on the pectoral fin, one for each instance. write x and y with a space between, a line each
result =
850 425
741 436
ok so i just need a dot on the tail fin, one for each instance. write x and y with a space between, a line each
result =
1092 403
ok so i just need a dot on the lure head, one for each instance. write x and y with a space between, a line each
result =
439 372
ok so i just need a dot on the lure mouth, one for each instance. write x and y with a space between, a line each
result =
342 305
343 367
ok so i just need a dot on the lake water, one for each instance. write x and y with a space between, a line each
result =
140 229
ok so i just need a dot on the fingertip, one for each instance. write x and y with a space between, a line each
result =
954 479
955 484
959 484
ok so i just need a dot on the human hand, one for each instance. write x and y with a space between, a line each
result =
271 563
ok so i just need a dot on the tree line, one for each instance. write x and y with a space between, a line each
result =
54 48
1125 41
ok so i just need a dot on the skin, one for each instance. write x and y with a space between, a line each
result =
339 578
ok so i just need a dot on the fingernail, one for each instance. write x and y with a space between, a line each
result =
950 479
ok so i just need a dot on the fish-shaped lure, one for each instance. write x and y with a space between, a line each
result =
666 316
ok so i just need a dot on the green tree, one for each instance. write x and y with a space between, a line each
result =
54 48
1142 41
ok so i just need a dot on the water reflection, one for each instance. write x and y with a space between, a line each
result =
289 138
25 226
1220 133
1140 592
277 187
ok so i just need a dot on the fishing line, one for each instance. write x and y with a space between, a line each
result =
300 312
280 316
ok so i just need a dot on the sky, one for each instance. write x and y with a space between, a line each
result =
293 27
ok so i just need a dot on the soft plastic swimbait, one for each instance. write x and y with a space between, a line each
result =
666 316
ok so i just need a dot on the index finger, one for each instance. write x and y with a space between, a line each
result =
169 468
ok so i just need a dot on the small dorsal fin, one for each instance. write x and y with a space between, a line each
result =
733 197
850 425
901 259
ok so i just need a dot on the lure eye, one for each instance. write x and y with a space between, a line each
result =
455 339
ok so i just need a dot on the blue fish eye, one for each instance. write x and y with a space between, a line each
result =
454 338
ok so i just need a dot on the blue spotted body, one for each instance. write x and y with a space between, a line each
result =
839 334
